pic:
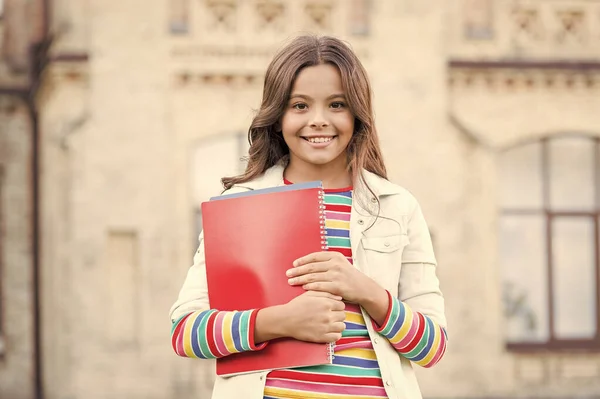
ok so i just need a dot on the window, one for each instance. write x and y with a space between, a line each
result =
549 244
360 17
179 16
478 21
213 159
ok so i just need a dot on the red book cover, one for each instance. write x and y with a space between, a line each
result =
250 241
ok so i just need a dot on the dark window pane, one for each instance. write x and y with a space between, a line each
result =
179 18
478 19
520 173
360 17
574 278
522 249
571 174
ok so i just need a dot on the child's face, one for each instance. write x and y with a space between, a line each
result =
317 124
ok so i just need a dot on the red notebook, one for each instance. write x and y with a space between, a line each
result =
250 240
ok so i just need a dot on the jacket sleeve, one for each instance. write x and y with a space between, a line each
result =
201 332
415 323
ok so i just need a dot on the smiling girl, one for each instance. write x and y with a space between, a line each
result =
375 292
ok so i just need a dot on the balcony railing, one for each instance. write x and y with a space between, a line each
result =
223 35
526 30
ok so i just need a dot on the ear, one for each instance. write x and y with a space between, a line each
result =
277 127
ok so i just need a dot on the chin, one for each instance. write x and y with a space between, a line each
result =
320 160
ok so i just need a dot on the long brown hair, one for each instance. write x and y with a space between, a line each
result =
267 146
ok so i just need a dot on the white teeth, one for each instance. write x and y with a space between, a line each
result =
320 139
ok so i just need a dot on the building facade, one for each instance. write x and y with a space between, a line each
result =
118 118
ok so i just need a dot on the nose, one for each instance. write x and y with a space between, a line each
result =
318 120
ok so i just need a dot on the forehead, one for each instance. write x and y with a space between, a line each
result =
318 79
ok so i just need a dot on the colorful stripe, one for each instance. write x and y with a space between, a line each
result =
414 335
211 334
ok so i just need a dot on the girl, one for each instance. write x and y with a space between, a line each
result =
374 292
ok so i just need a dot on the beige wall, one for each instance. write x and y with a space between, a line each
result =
121 134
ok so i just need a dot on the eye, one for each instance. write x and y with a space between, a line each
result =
300 106
338 105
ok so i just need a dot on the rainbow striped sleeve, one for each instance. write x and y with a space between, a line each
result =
414 335
211 334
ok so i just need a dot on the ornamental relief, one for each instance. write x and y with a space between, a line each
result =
234 16
271 15
560 29
231 41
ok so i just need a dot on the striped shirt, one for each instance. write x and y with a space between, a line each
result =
355 370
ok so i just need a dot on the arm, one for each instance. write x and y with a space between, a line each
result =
415 323
200 332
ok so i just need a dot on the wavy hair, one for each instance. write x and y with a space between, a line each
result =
267 147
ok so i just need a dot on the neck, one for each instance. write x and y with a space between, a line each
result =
333 176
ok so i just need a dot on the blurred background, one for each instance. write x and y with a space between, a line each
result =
118 118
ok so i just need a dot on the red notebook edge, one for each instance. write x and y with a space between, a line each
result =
250 241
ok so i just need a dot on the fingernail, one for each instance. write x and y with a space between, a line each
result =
289 273
291 281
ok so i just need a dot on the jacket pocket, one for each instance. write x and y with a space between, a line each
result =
385 244
384 259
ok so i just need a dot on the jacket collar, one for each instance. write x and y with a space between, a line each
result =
273 177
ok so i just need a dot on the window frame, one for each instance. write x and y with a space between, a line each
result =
550 215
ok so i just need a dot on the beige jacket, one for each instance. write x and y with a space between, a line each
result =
394 249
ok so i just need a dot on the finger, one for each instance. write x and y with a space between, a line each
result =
339 316
323 286
332 337
314 257
338 306
315 267
308 278
323 294
337 327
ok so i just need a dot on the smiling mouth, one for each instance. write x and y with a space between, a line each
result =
318 140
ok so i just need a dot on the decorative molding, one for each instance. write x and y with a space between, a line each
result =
523 79
319 15
220 52
527 26
236 79
223 13
572 26
527 29
271 14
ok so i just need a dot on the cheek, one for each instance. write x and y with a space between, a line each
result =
290 124
345 123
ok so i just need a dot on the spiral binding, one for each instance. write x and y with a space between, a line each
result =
324 246
330 351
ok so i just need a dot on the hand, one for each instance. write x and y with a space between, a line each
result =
331 272
315 317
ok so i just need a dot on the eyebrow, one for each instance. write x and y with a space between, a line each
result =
306 97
